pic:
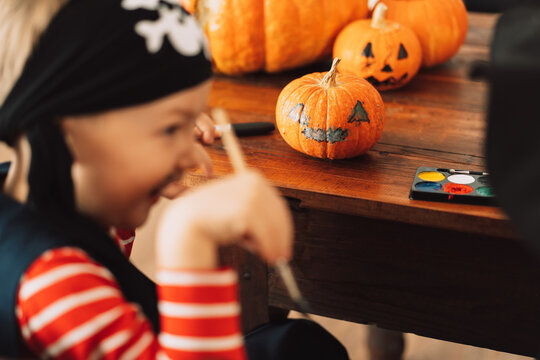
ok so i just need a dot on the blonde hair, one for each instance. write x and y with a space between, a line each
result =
21 24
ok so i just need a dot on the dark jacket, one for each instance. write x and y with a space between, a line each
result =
24 237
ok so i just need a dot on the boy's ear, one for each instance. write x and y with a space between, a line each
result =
16 183
65 126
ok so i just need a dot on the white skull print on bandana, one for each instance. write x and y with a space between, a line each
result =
183 32
144 4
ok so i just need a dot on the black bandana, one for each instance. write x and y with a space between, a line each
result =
103 54
94 56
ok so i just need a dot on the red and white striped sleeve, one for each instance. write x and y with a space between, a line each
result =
71 307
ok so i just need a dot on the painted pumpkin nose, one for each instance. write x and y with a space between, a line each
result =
387 68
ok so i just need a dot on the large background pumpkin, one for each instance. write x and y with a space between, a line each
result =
441 25
330 115
272 35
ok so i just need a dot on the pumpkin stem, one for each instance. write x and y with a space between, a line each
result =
329 80
378 21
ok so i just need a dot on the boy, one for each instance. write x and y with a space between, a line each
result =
101 114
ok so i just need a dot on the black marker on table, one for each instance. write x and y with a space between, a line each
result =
468 172
248 129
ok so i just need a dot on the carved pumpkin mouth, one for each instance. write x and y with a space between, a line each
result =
332 135
391 81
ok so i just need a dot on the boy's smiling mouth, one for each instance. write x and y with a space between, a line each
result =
170 188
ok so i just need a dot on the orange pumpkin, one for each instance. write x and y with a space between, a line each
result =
330 115
272 35
441 25
385 53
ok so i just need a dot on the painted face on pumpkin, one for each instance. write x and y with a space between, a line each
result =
383 52
387 71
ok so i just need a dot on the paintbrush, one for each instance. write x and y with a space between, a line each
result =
237 161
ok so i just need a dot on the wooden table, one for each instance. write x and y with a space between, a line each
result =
364 251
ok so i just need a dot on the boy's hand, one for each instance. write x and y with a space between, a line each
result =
242 209
205 129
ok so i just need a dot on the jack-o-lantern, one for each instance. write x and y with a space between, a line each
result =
330 115
383 52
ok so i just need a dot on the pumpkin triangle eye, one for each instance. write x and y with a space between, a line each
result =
358 114
367 51
402 52
387 68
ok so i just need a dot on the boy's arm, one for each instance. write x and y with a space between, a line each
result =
69 306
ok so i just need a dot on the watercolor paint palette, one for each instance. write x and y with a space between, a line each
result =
449 185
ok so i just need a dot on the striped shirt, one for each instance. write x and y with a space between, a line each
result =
71 307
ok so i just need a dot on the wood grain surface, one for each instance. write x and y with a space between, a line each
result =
437 120
364 251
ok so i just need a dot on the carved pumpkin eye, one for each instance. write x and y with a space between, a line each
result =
367 52
402 54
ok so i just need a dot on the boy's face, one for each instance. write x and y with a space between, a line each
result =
123 159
